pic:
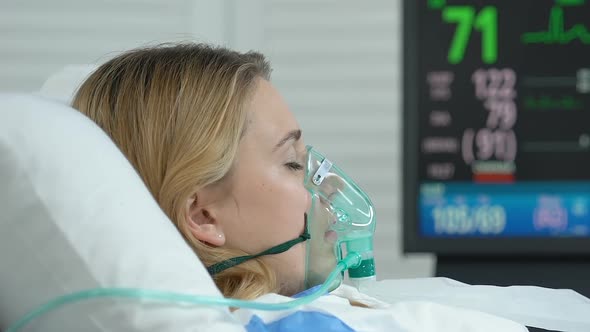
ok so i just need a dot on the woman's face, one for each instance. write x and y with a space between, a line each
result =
262 203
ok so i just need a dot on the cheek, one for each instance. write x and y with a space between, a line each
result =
271 211
290 202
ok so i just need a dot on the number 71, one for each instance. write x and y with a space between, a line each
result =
466 19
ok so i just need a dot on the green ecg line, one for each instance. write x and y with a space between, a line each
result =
570 2
556 32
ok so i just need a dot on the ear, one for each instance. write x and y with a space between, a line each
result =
203 224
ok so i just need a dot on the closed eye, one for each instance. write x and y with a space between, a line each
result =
295 166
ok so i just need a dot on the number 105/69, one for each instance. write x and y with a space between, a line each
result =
463 220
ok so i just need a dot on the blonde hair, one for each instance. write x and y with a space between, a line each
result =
177 112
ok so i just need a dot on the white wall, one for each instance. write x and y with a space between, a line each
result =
37 37
336 61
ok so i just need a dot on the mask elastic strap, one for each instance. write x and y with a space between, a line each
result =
221 266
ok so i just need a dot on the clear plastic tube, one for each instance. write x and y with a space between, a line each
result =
352 260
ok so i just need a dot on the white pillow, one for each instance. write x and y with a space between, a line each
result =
75 215
63 84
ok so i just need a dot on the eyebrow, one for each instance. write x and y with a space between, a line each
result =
292 135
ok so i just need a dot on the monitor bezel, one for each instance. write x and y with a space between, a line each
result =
413 242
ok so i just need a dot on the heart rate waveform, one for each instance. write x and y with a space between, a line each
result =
556 32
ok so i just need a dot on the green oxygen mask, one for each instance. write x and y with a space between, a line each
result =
341 221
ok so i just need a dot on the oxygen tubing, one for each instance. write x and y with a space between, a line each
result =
352 260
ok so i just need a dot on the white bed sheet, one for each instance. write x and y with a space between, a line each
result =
551 309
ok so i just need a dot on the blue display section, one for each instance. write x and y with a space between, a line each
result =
525 209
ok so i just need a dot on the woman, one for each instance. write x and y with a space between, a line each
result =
218 149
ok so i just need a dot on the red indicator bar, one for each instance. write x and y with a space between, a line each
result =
493 177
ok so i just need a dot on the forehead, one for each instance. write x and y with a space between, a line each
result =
269 117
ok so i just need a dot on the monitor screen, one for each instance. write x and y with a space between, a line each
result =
497 126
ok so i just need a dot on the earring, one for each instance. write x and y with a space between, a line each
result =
220 235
